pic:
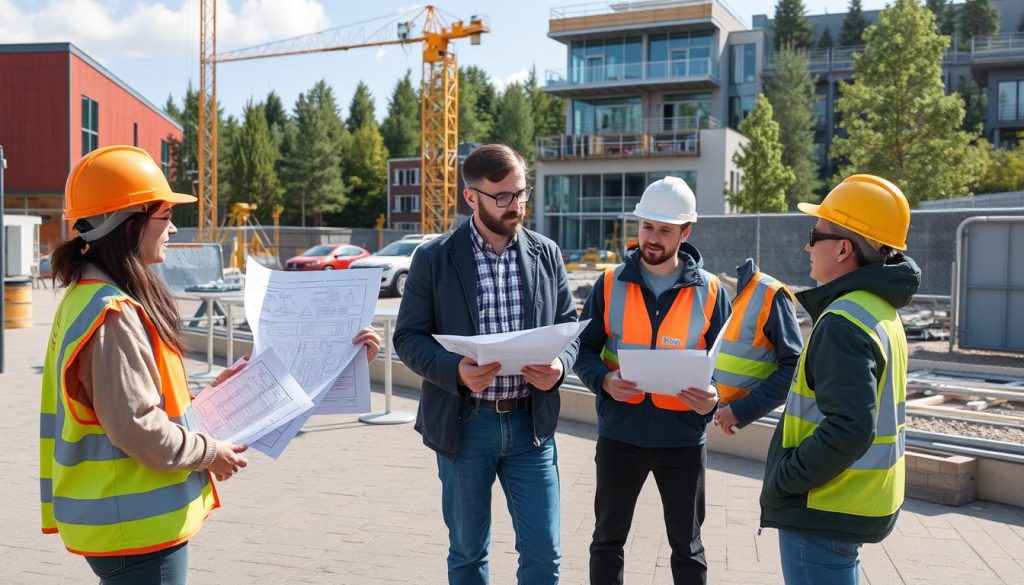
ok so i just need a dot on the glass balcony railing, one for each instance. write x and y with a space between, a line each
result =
623 145
629 73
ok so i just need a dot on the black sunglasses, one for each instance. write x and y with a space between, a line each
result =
505 199
817 236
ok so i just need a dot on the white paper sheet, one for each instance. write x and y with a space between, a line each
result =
310 318
251 403
516 349
665 371
350 392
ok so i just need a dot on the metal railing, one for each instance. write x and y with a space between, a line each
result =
598 8
629 73
626 145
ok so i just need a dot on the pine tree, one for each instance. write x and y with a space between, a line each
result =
277 118
978 18
477 98
852 32
513 123
975 103
765 178
367 164
945 16
790 27
361 108
548 110
401 127
825 40
791 94
253 154
899 122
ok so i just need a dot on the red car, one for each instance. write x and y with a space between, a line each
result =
326 257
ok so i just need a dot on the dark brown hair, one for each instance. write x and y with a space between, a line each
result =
119 255
492 162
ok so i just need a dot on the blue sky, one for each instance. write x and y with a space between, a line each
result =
154 46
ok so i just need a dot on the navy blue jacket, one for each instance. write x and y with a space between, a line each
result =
643 424
440 297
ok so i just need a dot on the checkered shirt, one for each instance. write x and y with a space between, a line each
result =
499 295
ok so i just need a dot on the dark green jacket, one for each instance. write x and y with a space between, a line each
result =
843 366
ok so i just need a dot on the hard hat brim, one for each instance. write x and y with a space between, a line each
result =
809 208
170 197
665 218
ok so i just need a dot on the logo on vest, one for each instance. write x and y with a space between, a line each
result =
672 341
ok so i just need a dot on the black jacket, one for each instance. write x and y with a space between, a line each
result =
843 366
440 297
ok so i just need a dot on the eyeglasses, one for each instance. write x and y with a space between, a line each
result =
505 199
817 236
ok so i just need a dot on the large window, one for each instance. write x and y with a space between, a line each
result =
165 158
607 116
407 203
739 108
1011 100
611 59
406 177
742 64
684 111
90 125
680 54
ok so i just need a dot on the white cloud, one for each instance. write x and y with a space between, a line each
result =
516 77
381 53
117 29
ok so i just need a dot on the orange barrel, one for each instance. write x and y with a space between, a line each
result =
17 303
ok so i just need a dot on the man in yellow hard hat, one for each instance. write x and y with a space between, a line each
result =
834 478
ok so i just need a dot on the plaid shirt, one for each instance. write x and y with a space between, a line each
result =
499 295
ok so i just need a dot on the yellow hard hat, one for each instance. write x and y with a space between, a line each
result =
113 178
867 205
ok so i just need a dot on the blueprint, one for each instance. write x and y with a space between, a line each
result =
251 403
515 349
310 318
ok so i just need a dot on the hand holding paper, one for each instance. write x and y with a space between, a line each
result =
514 350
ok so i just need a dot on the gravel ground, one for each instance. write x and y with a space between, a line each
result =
965 429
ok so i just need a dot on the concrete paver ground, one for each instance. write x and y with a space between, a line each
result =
352 503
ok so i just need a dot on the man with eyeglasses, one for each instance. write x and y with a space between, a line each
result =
659 298
834 477
490 275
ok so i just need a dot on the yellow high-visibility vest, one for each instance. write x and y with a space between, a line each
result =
102 501
874 484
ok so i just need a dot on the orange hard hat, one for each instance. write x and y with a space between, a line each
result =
867 205
113 178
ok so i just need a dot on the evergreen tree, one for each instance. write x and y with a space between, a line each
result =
401 127
852 32
899 122
227 135
313 154
945 16
361 108
765 178
977 18
975 104
513 123
367 164
477 98
792 97
548 110
253 154
790 27
172 110
825 40
277 118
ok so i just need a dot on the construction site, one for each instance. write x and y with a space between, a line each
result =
357 500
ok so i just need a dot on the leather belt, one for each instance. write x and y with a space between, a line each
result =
505 404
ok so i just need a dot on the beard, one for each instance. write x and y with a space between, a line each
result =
500 224
655 255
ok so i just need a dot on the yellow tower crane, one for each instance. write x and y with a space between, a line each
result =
439 101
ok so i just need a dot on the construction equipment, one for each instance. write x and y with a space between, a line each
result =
439 101
241 219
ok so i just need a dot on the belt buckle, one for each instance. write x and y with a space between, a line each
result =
497 406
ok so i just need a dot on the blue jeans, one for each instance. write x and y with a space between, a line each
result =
810 560
164 567
501 445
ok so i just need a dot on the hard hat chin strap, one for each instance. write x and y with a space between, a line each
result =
95 227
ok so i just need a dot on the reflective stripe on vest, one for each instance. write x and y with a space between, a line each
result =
746 357
102 501
628 325
873 485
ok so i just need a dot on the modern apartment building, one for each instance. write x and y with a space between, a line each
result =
658 87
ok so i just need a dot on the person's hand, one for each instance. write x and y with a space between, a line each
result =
231 371
544 376
477 378
619 389
701 401
726 420
371 339
228 461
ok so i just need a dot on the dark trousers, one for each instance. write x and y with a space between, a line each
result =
167 566
622 470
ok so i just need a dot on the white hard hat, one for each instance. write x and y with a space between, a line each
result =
669 200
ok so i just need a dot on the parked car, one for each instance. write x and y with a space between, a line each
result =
326 257
395 259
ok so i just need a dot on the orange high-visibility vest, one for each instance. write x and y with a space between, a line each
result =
627 324
746 356
101 500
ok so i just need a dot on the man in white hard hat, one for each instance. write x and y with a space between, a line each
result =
659 298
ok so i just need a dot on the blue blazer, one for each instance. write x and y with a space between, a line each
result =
440 297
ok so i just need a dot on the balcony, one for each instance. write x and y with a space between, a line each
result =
581 18
660 137
610 79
